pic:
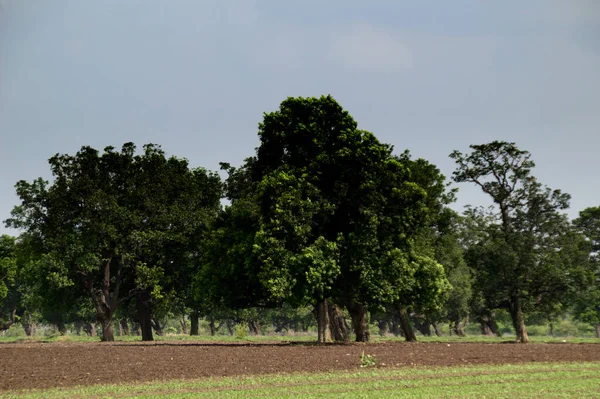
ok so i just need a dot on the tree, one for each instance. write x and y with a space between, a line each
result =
312 169
296 266
337 212
177 205
474 227
449 253
587 301
229 266
431 234
588 223
9 294
104 224
519 265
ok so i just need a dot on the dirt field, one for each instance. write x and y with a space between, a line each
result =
42 365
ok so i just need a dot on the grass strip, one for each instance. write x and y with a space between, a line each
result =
523 380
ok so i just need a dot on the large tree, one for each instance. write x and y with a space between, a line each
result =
106 221
338 212
519 264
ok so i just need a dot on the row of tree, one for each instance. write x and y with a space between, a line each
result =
323 215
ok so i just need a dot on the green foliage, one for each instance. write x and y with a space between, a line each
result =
588 223
8 265
9 287
517 262
229 265
113 224
367 360
323 211
587 298
241 330
339 213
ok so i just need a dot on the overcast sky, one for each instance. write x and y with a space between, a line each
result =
196 75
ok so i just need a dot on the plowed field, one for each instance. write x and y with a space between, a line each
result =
43 365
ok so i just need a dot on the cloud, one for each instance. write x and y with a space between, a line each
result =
367 48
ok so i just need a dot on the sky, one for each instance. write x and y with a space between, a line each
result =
196 76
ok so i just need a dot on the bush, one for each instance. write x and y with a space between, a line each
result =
241 330
170 330
538 330
571 328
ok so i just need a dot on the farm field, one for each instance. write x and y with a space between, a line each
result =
243 369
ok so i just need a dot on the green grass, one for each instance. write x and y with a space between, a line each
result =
179 337
505 338
295 338
552 380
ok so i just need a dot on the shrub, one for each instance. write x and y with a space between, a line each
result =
241 330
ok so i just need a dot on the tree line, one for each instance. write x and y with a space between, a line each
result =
323 216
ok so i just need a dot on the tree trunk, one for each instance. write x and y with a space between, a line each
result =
598 330
89 329
488 326
144 314
551 329
60 325
337 324
383 327
396 329
280 327
323 334
104 300
184 325
358 313
135 329
409 334
124 326
11 320
211 325
28 324
107 330
229 325
436 328
458 329
305 326
518 319
485 328
254 327
78 326
158 327
194 322
423 326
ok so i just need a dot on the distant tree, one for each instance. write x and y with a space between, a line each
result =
520 265
9 293
46 296
473 233
588 223
229 266
449 253
587 302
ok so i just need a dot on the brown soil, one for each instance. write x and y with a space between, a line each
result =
43 365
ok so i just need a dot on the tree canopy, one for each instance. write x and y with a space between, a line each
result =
323 217
106 222
517 263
